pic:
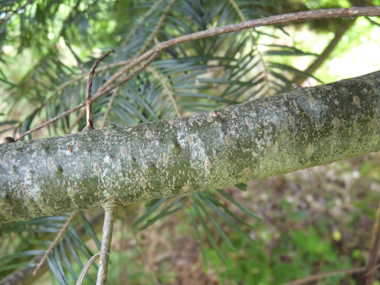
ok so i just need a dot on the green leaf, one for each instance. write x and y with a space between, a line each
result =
204 256
56 269
73 252
241 186
240 206
66 260
21 254
17 265
148 211
207 230
222 234
81 245
89 230
165 212
224 217
226 210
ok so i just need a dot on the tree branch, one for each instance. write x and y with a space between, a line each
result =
268 21
254 140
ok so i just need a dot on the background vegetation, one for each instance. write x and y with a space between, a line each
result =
313 221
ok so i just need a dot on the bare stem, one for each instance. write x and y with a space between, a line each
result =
122 81
85 269
268 21
105 249
90 123
54 243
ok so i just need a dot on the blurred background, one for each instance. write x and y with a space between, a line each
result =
312 221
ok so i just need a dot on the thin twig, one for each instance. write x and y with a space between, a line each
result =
90 123
122 81
86 74
268 21
95 97
374 249
324 275
109 106
85 269
166 87
59 235
109 216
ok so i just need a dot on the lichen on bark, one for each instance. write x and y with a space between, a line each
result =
253 140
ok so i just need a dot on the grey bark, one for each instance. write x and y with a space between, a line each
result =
257 139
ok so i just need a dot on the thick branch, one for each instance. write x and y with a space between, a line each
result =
257 139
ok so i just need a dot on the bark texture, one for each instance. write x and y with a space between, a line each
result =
257 139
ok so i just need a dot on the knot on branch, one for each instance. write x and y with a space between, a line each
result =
111 204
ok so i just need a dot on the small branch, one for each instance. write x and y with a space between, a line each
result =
85 269
110 103
86 74
324 275
374 249
122 81
105 249
166 87
59 235
268 21
90 123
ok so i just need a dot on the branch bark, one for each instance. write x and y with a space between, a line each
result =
257 139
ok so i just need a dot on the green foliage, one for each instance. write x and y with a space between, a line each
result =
48 46
191 71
